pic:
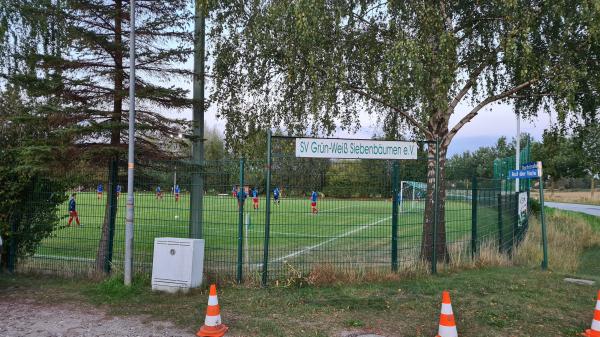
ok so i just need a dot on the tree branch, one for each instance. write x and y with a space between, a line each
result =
447 19
373 98
464 90
467 118
472 79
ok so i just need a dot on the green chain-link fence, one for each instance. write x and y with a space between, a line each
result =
369 214
502 167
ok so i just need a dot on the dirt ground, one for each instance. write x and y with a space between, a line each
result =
22 317
28 318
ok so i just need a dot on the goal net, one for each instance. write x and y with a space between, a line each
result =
412 195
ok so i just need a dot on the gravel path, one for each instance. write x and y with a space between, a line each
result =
24 318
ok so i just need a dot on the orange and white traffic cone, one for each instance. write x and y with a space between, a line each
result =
213 327
595 330
447 326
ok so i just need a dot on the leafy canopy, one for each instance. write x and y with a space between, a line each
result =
312 65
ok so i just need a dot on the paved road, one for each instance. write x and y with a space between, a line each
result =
589 209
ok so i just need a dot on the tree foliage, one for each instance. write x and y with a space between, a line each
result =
562 157
478 163
313 66
72 58
31 191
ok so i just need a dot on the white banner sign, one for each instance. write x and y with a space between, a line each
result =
522 208
354 149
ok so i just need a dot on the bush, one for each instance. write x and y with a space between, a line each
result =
535 207
28 210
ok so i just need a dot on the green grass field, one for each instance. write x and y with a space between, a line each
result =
514 300
344 232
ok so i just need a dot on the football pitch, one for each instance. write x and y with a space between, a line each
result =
345 231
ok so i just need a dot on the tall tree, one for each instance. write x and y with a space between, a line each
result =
561 155
587 139
312 65
91 71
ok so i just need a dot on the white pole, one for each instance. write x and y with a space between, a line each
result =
518 150
130 162
412 204
401 195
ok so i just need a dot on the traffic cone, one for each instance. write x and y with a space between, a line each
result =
595 330
447 326
213 327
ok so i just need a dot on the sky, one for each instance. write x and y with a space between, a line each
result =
484 130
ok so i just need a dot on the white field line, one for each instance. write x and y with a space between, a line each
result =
283 233
343 235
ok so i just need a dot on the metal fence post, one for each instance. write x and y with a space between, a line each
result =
112 204
515 223
12 247
474 200
265 275
526 224
435 207
500 226
395 216
240 237
543 221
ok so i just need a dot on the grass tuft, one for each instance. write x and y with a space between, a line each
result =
569 235
113 290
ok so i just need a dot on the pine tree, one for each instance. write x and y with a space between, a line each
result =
89 66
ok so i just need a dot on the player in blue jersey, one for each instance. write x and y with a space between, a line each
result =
73 211
255 198
177 190
241 196
158 193
313 202
100 190
276 194
118 191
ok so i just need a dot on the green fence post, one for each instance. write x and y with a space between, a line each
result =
526 224
12 246
265 275
474 200
240 238
112 204
395 217
544 234
500 226
515 223
435 208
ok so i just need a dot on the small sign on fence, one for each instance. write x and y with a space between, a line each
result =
522 209
354 149
527 171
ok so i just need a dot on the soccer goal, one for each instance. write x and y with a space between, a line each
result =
412 195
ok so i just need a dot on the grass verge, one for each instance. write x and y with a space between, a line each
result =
513 301
570 235
490 301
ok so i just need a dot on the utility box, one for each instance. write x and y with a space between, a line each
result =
178 264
